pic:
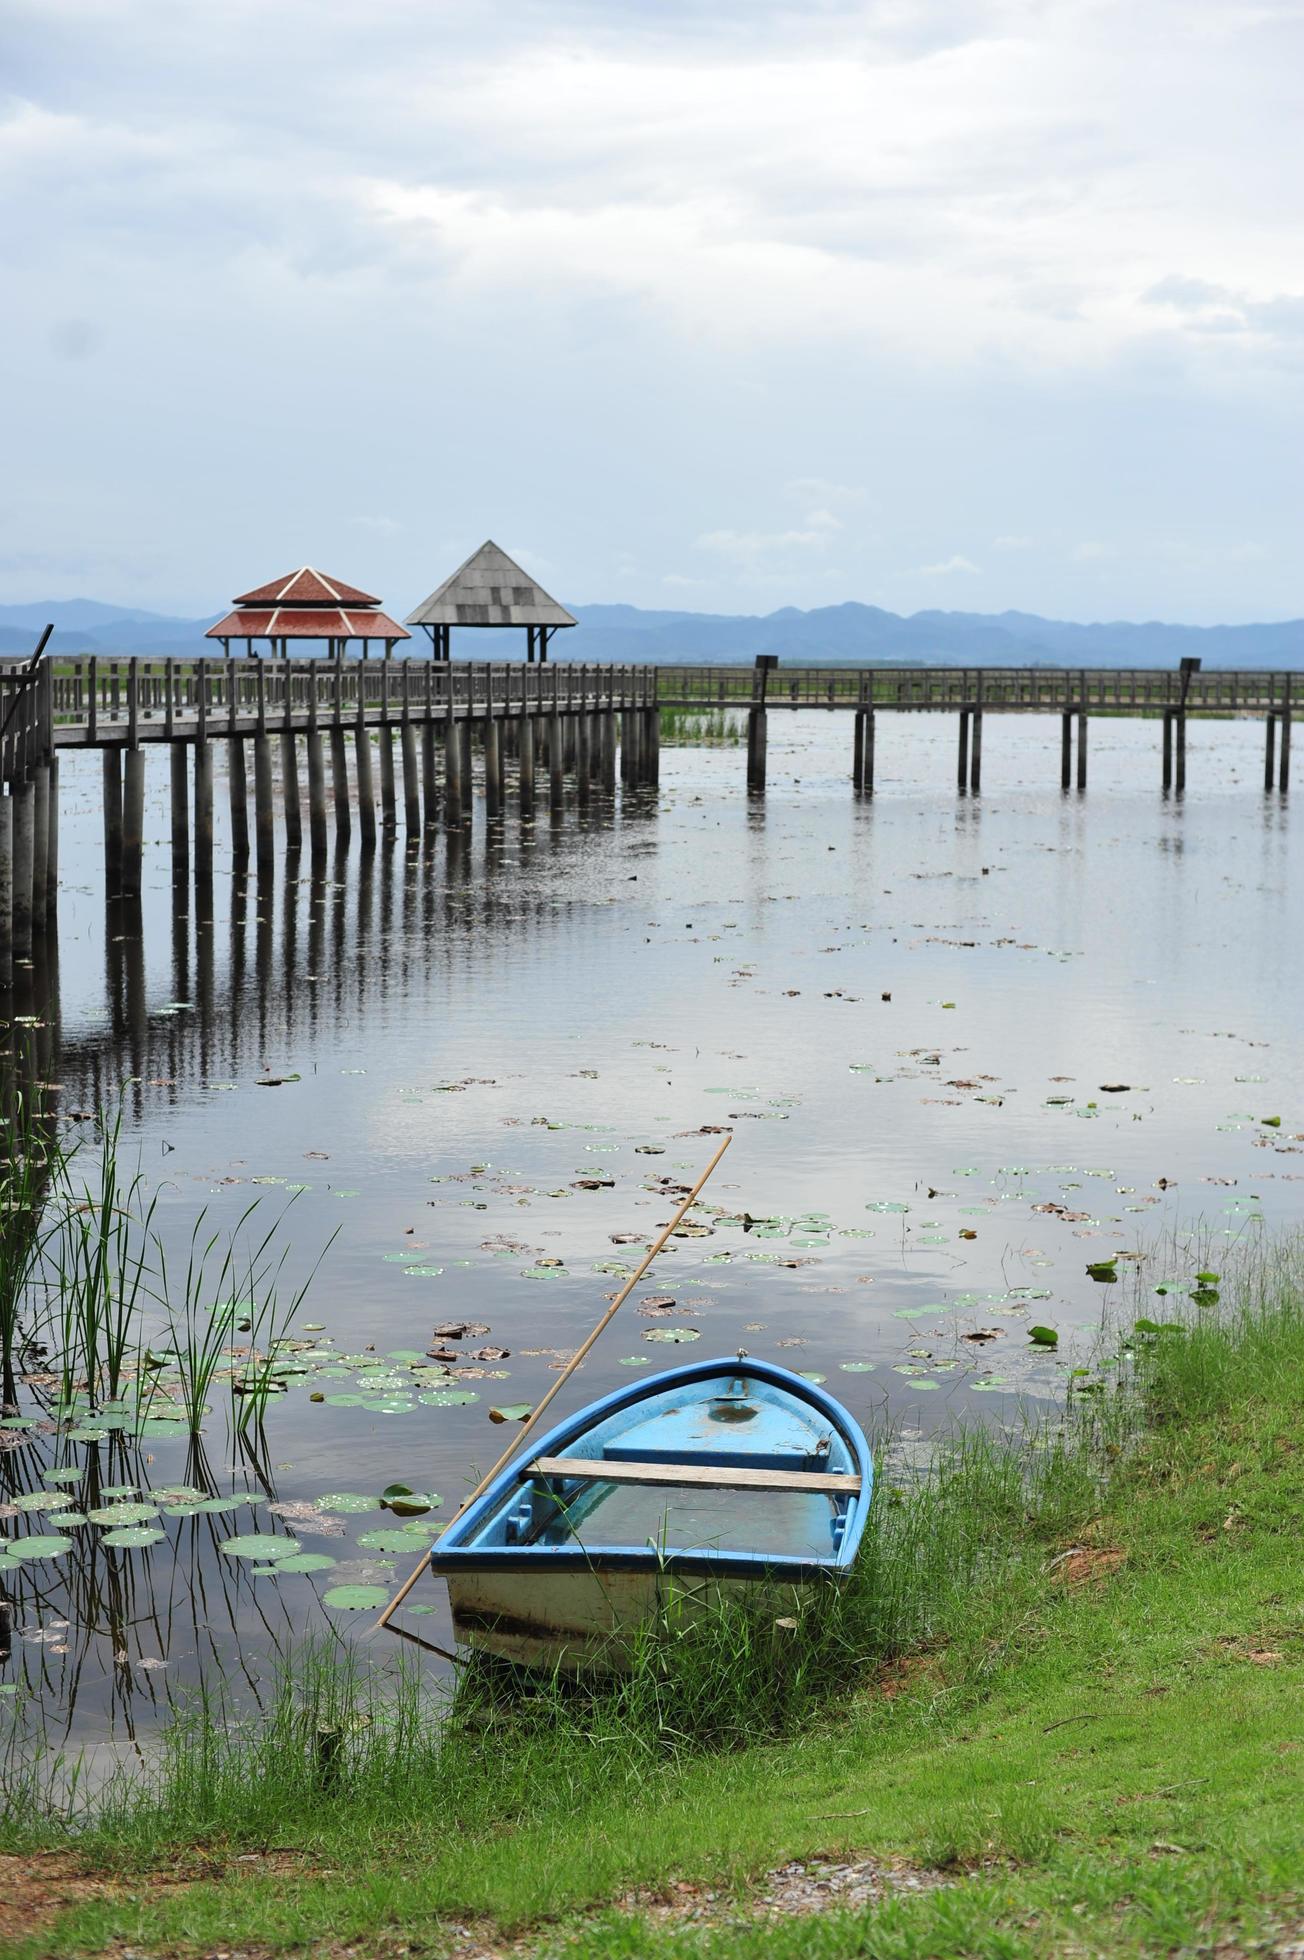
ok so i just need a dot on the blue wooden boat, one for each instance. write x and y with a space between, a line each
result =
730 1478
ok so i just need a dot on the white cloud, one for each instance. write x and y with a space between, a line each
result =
1012 542
949 566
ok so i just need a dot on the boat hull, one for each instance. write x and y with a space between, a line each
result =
590 1622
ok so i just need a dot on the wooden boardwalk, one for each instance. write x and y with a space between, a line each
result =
578 726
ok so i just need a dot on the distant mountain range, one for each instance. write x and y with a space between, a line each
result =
828 635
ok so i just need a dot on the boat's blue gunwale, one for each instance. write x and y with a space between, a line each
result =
455 1552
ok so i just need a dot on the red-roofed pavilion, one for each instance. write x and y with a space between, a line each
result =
307 606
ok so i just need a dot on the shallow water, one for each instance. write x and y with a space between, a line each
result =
906 1010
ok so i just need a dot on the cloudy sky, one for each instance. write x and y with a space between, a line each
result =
728 306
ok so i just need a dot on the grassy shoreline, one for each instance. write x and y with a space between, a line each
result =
1067 1682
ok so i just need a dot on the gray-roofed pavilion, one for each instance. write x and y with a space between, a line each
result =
490 589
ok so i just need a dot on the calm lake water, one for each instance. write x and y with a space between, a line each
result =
490 1056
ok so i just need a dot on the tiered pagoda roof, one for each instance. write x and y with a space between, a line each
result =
306 605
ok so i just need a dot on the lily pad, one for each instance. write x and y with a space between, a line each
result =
115 1515
305 1562
447 1398
132 1536
257 1544
347 1501
38 1546
352 1598
510 1411
393 1540
673 1334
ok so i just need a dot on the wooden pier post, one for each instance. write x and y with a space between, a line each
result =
290 789
52 842
468 779
1270 753
6 887
867 767
1179 731
858 752
652 747
1168 748
178 761
607 723
40 844
429 776
962 756
556 763
1082 749
976 752
1066 750
237 783
756 747
1283 747
203 809
583 761
24 802
133 821
452 775
264 807
340 783
388 801
525 766
493 770
111 768
411 785
627 757
366 785
316 791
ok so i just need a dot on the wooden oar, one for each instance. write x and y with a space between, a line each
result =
528 1425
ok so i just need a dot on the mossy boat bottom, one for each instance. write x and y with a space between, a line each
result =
593 1622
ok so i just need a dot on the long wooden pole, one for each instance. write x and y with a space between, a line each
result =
560 1382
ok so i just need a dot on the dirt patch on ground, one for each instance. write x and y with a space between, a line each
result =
1085 1565
805 1886
36 1888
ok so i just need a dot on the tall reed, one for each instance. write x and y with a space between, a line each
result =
34 1160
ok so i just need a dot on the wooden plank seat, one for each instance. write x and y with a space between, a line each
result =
703 1476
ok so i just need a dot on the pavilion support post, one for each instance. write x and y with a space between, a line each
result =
525 766
464 735
1066 750
429 776
568 736
6 887
493 770
756 748
1270 753
411 784
388 801
858 751
264 807
178 759
111 765
556 763
452 775
290 790
608 723
316 791
204 809
962 753
627 758
133 821
1179 747
366 786
867 767
24 825
976 752
1082 749
340 783
237 782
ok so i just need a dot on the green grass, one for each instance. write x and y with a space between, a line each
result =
701 727
1115 1766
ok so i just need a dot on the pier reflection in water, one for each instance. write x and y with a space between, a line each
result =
486 1060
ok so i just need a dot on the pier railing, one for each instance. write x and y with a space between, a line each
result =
1047 690
98 700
